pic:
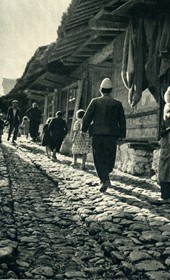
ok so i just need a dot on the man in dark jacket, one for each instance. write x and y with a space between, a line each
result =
58 130
14 119
34 114
108 124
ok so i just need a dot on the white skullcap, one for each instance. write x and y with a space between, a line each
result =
106 83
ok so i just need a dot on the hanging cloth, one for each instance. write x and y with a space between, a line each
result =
133 63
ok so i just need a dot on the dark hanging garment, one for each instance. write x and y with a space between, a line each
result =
133 62
164 47
153 29
139 84
128 67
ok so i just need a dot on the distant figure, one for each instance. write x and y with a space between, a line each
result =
164 161
13 119
46 138
25 126
109 124
2 125
81 143
34 115
58 131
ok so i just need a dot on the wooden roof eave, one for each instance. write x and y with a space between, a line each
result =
97 31
32 92
51 81
123 8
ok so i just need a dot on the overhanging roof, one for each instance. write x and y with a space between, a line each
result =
87 27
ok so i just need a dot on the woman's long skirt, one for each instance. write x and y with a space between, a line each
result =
164 166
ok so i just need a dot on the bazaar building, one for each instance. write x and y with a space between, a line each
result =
126 40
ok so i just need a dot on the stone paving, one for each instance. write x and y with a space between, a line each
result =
55 223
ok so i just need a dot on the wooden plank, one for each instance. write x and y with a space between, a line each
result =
35 97
80 30
102 54
107 25
99 57
71 86
52 78
46 83
115 3
63 52
37 92
100 41
125 6
75 39
105 14
76 24
70 50
92 3
73 59
89 9
71 63
84 13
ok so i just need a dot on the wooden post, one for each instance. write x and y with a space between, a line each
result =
67 104
55 97
78 98
53 105
45 108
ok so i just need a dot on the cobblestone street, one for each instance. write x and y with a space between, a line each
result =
55 223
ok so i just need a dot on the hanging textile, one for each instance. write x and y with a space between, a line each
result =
133 64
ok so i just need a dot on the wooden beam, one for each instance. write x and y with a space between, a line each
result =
81 29
46 83
77 48
102 54
35 97
100 41
99 57
75 39
72 60
105 14
92 3
83 14
76 24
107 25
72 63
71 86
125 6
37 92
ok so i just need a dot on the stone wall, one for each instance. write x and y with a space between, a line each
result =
134 161
128 160
155 163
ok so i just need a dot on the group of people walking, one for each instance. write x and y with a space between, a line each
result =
97 129
29 124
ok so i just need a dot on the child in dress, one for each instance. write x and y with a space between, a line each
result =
81 142
25 126
46 138
2 124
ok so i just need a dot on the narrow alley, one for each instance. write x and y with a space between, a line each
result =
55 223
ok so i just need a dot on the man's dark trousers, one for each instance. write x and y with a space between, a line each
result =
15 128
104 154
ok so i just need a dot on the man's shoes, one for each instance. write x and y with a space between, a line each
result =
105 185
74 165
54 157
84 168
